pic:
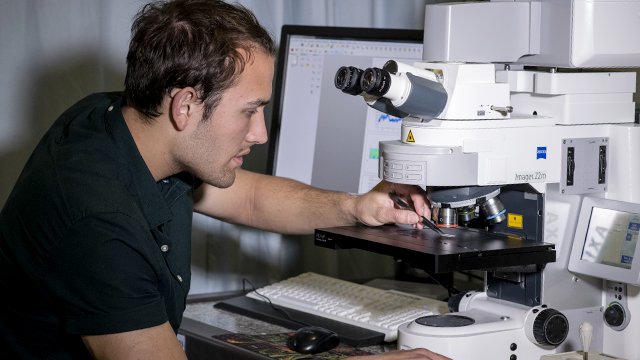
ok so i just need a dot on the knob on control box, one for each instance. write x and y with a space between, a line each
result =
616 313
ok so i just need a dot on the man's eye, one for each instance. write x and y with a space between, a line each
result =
251 112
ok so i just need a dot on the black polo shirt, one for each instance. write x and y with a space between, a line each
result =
89 242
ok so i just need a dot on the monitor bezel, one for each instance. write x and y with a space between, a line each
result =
335 32
603 271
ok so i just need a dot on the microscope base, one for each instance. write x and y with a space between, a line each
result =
578 355
495 329
491 336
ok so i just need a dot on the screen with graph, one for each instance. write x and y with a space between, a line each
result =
319 135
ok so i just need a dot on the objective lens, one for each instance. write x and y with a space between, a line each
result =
347 79
466 214
447 217
375 81
494 210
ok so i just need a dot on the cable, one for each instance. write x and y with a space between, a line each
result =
471 275
450 289
274 307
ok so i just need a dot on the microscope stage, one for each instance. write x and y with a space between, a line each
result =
467 249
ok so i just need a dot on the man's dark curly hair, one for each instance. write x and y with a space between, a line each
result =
189 43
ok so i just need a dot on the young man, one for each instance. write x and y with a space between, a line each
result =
94 238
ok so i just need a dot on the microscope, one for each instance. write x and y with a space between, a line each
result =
521 124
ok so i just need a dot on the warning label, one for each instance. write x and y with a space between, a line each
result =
514 221
410 137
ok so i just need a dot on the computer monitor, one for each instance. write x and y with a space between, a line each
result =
319 135
606 241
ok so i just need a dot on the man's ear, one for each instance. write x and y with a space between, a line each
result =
183 107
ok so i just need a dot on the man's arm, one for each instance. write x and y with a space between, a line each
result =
154 343
287 206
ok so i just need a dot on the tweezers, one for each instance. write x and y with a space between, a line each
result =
403 205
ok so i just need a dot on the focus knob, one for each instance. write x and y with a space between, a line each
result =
614 315
550 327
454 302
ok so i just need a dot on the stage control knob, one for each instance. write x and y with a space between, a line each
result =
550 327
614 315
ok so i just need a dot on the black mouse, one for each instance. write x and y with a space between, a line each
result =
313 340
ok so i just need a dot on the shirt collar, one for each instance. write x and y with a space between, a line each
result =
151 201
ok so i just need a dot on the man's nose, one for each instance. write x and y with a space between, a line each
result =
258 132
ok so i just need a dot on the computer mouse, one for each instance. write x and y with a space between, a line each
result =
313 340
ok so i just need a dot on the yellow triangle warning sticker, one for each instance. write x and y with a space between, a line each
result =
410 137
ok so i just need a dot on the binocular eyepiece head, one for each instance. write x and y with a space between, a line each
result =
354 81
396 89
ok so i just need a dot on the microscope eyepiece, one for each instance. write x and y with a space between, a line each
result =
375 81
347 79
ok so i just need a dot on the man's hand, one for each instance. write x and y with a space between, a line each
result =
418 354
376 207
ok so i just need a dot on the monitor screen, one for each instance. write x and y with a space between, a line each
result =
605 244
319 135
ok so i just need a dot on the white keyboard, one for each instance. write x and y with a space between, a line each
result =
360 305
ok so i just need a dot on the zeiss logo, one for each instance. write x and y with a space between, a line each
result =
541 153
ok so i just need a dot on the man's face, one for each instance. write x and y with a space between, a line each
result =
215 149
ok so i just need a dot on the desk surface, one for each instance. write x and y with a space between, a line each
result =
200 311
206 313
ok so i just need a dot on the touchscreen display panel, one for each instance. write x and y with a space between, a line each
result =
612 237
